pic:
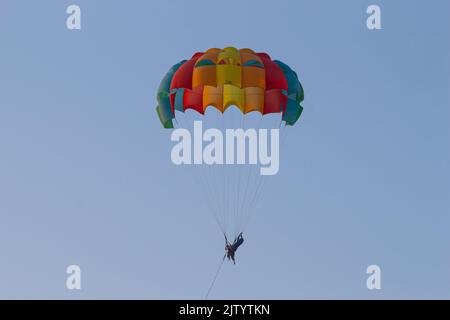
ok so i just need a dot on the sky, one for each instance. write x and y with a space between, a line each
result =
86 176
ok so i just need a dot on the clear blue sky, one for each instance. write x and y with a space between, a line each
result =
86 176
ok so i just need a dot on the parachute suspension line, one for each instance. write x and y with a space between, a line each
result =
217 172
233 172
261 185
215 278
214 171
238 189
262 182
210 177
257 180
227 178
218 181
239 195
203 184
210 204
242 215
241 185
253 201
237 169
283 129
224 183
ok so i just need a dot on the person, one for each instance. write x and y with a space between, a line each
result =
231 248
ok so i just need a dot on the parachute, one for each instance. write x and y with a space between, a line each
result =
230 88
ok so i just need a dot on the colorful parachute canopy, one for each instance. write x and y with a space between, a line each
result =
221 78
